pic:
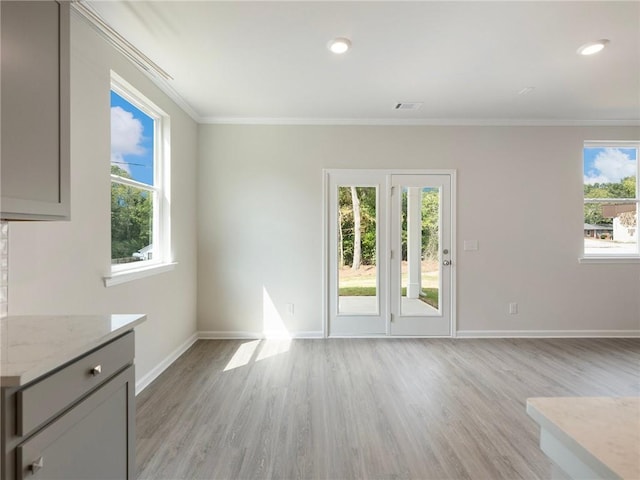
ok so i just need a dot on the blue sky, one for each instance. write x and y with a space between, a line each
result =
609 165
131 139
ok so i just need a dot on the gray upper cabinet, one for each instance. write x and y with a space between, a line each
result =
34 104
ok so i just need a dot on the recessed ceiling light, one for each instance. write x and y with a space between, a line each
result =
592 47
339 45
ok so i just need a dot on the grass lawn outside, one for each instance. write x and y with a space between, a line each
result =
429 295
362 282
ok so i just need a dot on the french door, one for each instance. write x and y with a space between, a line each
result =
390 258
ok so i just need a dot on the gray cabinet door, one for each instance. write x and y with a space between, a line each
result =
94 440
34 104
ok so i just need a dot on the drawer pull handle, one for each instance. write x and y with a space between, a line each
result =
97 370
36 466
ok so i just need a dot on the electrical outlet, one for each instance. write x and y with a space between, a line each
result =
513 308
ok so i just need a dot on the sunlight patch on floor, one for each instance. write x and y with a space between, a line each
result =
257 350
243 355
272 347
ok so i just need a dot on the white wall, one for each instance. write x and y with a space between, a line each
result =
57 268
519 194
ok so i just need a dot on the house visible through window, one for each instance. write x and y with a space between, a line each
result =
137 182
611 200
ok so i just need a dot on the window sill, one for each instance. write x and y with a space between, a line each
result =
116 278
609 259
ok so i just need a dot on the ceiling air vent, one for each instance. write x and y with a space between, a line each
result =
408 106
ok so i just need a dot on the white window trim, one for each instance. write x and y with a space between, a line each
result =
117 278
611 259
614 258
162 256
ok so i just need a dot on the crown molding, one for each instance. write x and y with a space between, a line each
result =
479 122
118 41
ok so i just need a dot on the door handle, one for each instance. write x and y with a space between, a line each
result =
446 263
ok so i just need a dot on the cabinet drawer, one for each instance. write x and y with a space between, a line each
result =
42 400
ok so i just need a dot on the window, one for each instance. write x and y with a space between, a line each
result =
139 203
611 200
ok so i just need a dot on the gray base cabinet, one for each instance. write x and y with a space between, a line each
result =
75 423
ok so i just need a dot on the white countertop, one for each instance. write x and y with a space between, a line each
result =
31 346
603 432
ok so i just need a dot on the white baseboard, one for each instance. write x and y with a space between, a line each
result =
227 335
548 333
240 335
145 381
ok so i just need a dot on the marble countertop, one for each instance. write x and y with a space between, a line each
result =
31 346
604 432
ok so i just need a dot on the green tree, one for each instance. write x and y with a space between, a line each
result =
345 219
366 199
357 230
131 217
628 187
430 223
430 211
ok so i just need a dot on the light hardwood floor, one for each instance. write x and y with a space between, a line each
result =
361 408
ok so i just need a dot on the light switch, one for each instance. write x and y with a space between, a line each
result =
471 245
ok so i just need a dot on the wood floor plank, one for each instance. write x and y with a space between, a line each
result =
367 408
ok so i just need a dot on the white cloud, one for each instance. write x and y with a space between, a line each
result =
610 166
126 136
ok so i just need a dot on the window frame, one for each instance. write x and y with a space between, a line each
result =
613 257
161 260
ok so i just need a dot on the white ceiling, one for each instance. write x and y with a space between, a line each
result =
268 62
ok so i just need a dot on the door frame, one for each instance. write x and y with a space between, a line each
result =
326 174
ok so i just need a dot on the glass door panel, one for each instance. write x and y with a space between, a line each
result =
420 263
357 251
